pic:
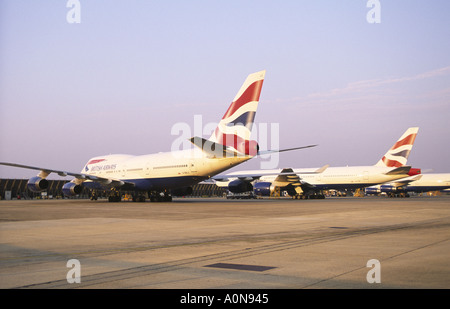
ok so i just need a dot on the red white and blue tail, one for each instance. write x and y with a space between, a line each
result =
398 154
235 128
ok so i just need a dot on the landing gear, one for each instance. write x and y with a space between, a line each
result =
138 198
94 196
400 194
308 196
154 196
114 196
317 196
300 197
160 197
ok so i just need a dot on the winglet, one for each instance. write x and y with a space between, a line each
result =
322 169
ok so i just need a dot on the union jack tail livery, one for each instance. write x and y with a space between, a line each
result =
235 128
398 154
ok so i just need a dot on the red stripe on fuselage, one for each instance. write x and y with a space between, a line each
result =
95 161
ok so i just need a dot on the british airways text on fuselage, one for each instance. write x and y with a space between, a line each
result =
102 167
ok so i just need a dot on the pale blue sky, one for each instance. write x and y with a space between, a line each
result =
118 81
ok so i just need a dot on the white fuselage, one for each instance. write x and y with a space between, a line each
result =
430 182
337 177
161 170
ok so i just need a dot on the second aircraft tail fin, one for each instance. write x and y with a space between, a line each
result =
398 154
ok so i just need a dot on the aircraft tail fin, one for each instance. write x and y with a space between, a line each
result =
398 154
235 128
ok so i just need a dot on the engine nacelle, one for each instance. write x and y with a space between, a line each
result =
388 188
372 190
71 189
37 184
250 148
263 188
239 186
182 191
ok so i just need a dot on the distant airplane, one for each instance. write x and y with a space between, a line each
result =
419 184
309 183
162 175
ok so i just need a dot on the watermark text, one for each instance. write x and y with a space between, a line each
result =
374 14
74 274
374 274
74 14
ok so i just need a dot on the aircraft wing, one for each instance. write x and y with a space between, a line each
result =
81 177
405 181
307 186
287 177
291 179
250 176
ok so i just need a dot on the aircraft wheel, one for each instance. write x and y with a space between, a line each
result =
114 199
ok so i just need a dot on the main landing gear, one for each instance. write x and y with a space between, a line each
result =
154 196
157 197
114 196
308 196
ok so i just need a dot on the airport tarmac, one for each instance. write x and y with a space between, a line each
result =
227 244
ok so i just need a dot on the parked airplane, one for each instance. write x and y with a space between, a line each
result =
310 183
419 184
162 175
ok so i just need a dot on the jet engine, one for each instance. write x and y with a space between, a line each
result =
263 188
71 189
239 186
393 191
373 190
388 188
37 184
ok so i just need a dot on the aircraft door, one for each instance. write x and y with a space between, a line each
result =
192 166
147 169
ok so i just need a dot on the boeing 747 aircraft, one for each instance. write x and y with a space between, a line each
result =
309 183
163 174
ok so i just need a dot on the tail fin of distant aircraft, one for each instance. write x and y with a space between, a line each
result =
398 154
235 128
